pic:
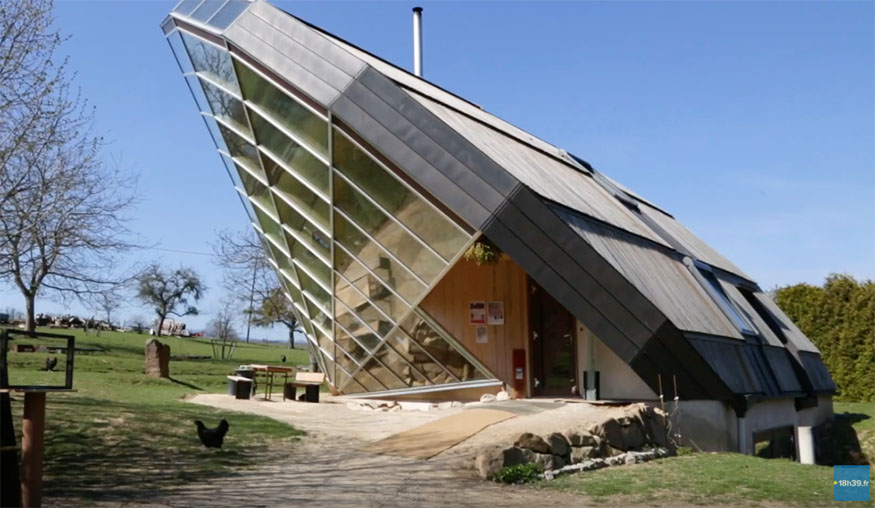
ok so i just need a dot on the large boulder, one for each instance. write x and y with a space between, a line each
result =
558 444
624 433
490 460
157 359
532 442
581 438
582 453
545 460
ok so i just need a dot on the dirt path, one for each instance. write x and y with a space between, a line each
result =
328 468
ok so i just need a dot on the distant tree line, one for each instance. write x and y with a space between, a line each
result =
839 318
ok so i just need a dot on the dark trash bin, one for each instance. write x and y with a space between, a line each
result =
244 389
239 388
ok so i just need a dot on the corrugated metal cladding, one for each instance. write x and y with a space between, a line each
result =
302 56
658 273
691 242
546 176
611 266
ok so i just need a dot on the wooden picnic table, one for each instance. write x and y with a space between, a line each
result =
268 372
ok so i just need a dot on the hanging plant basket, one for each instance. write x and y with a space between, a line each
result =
483 252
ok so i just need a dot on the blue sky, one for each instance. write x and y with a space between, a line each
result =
751 122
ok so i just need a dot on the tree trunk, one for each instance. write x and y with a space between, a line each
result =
291 338
30 323
160 325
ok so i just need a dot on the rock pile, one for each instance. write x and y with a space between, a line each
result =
636 436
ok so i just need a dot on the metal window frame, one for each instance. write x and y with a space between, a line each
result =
276 159
335 171
280 88
379 244
407 186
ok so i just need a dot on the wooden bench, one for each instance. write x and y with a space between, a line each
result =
309 381
243 385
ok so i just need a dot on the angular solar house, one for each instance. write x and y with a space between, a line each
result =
367 185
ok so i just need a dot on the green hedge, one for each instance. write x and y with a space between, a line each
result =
839 318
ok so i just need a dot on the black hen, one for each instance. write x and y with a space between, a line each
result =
283 359
51 363
212 438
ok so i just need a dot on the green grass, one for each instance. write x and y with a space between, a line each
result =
122 435
723 478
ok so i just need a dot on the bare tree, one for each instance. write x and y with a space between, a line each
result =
222 325
169 291
137 323
61 205
248 274
108 302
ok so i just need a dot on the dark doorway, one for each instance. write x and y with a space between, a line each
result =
553 345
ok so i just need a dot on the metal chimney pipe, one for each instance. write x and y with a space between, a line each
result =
417 41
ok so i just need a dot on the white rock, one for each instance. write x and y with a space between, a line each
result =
487 397
502 395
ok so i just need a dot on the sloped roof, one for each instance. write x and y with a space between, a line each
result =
618 263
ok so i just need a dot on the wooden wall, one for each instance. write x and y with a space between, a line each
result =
467 282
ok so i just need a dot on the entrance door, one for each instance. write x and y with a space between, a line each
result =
553 345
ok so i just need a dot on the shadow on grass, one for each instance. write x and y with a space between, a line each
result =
838 441
98 450
183 383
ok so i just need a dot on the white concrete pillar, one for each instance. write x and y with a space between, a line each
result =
805 444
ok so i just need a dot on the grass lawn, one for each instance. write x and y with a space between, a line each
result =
719 478
122 435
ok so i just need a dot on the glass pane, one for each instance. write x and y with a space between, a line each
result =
213 127
397 364
281 259
365 312
186 6
255 188
246 205
315 207
298 159
226 107
386 231
416 356
310 128
206 10
320 296
213 62
318 317
268 226
371 384
432 226
232 171
387 375
197 91
350 349
359 331
433 342
372 289
303 228
228 14
374 258
310 261
241 149
178 48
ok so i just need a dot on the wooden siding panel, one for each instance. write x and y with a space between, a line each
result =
466 282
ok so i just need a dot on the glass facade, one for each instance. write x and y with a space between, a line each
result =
355 246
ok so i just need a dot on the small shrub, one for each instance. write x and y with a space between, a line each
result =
684 450
520 473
